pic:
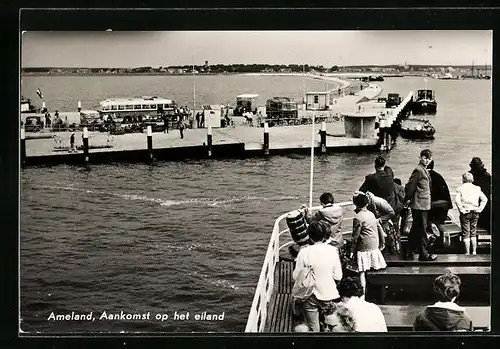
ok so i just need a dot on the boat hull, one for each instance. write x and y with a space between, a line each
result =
424 107
416 134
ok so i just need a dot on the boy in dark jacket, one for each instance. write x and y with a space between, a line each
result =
445 314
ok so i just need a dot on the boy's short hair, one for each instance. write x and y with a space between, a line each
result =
397 180
426 153
326 198
350 286
467 177
379 162
447 287
317 230
360 200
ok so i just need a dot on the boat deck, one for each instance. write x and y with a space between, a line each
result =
403 288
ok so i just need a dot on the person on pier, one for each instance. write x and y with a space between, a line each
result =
482 179
440 204
470 201
367 239
202 120
181 126
72 142
418 198
322 260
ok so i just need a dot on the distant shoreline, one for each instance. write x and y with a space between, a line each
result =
339 75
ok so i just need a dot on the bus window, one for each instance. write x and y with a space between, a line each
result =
137 106
153 106
145 106
114 107
121 107
129 107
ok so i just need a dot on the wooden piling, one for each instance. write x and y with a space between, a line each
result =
86 144
323 137
209 140
23 146
266 138
150 142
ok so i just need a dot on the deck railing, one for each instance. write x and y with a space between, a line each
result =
258 313
264 290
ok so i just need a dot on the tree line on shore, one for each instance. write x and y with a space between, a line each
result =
238 68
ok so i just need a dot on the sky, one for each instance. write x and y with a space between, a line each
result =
165 48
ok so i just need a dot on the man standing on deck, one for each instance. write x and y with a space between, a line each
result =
381 182
418 198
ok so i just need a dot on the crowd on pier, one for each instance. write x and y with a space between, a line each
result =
329 275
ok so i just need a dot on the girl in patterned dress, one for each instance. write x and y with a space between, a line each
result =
367 239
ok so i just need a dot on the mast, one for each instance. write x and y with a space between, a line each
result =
194 90
303 83
472 68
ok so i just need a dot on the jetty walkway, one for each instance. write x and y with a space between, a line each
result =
239 141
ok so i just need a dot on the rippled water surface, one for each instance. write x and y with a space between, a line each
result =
191 236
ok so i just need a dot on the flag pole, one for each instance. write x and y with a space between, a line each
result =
194 90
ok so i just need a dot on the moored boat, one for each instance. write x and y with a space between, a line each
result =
28 107
416 128
425 103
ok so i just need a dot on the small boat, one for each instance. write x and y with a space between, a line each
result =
416 128
27 107
425 102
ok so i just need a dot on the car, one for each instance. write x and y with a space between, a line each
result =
33 124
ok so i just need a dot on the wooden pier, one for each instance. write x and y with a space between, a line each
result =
239 142
362 127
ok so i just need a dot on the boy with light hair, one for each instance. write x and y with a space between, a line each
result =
470 202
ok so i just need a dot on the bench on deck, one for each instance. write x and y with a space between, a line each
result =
451 260
422 277
280 313
279 316
401 317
